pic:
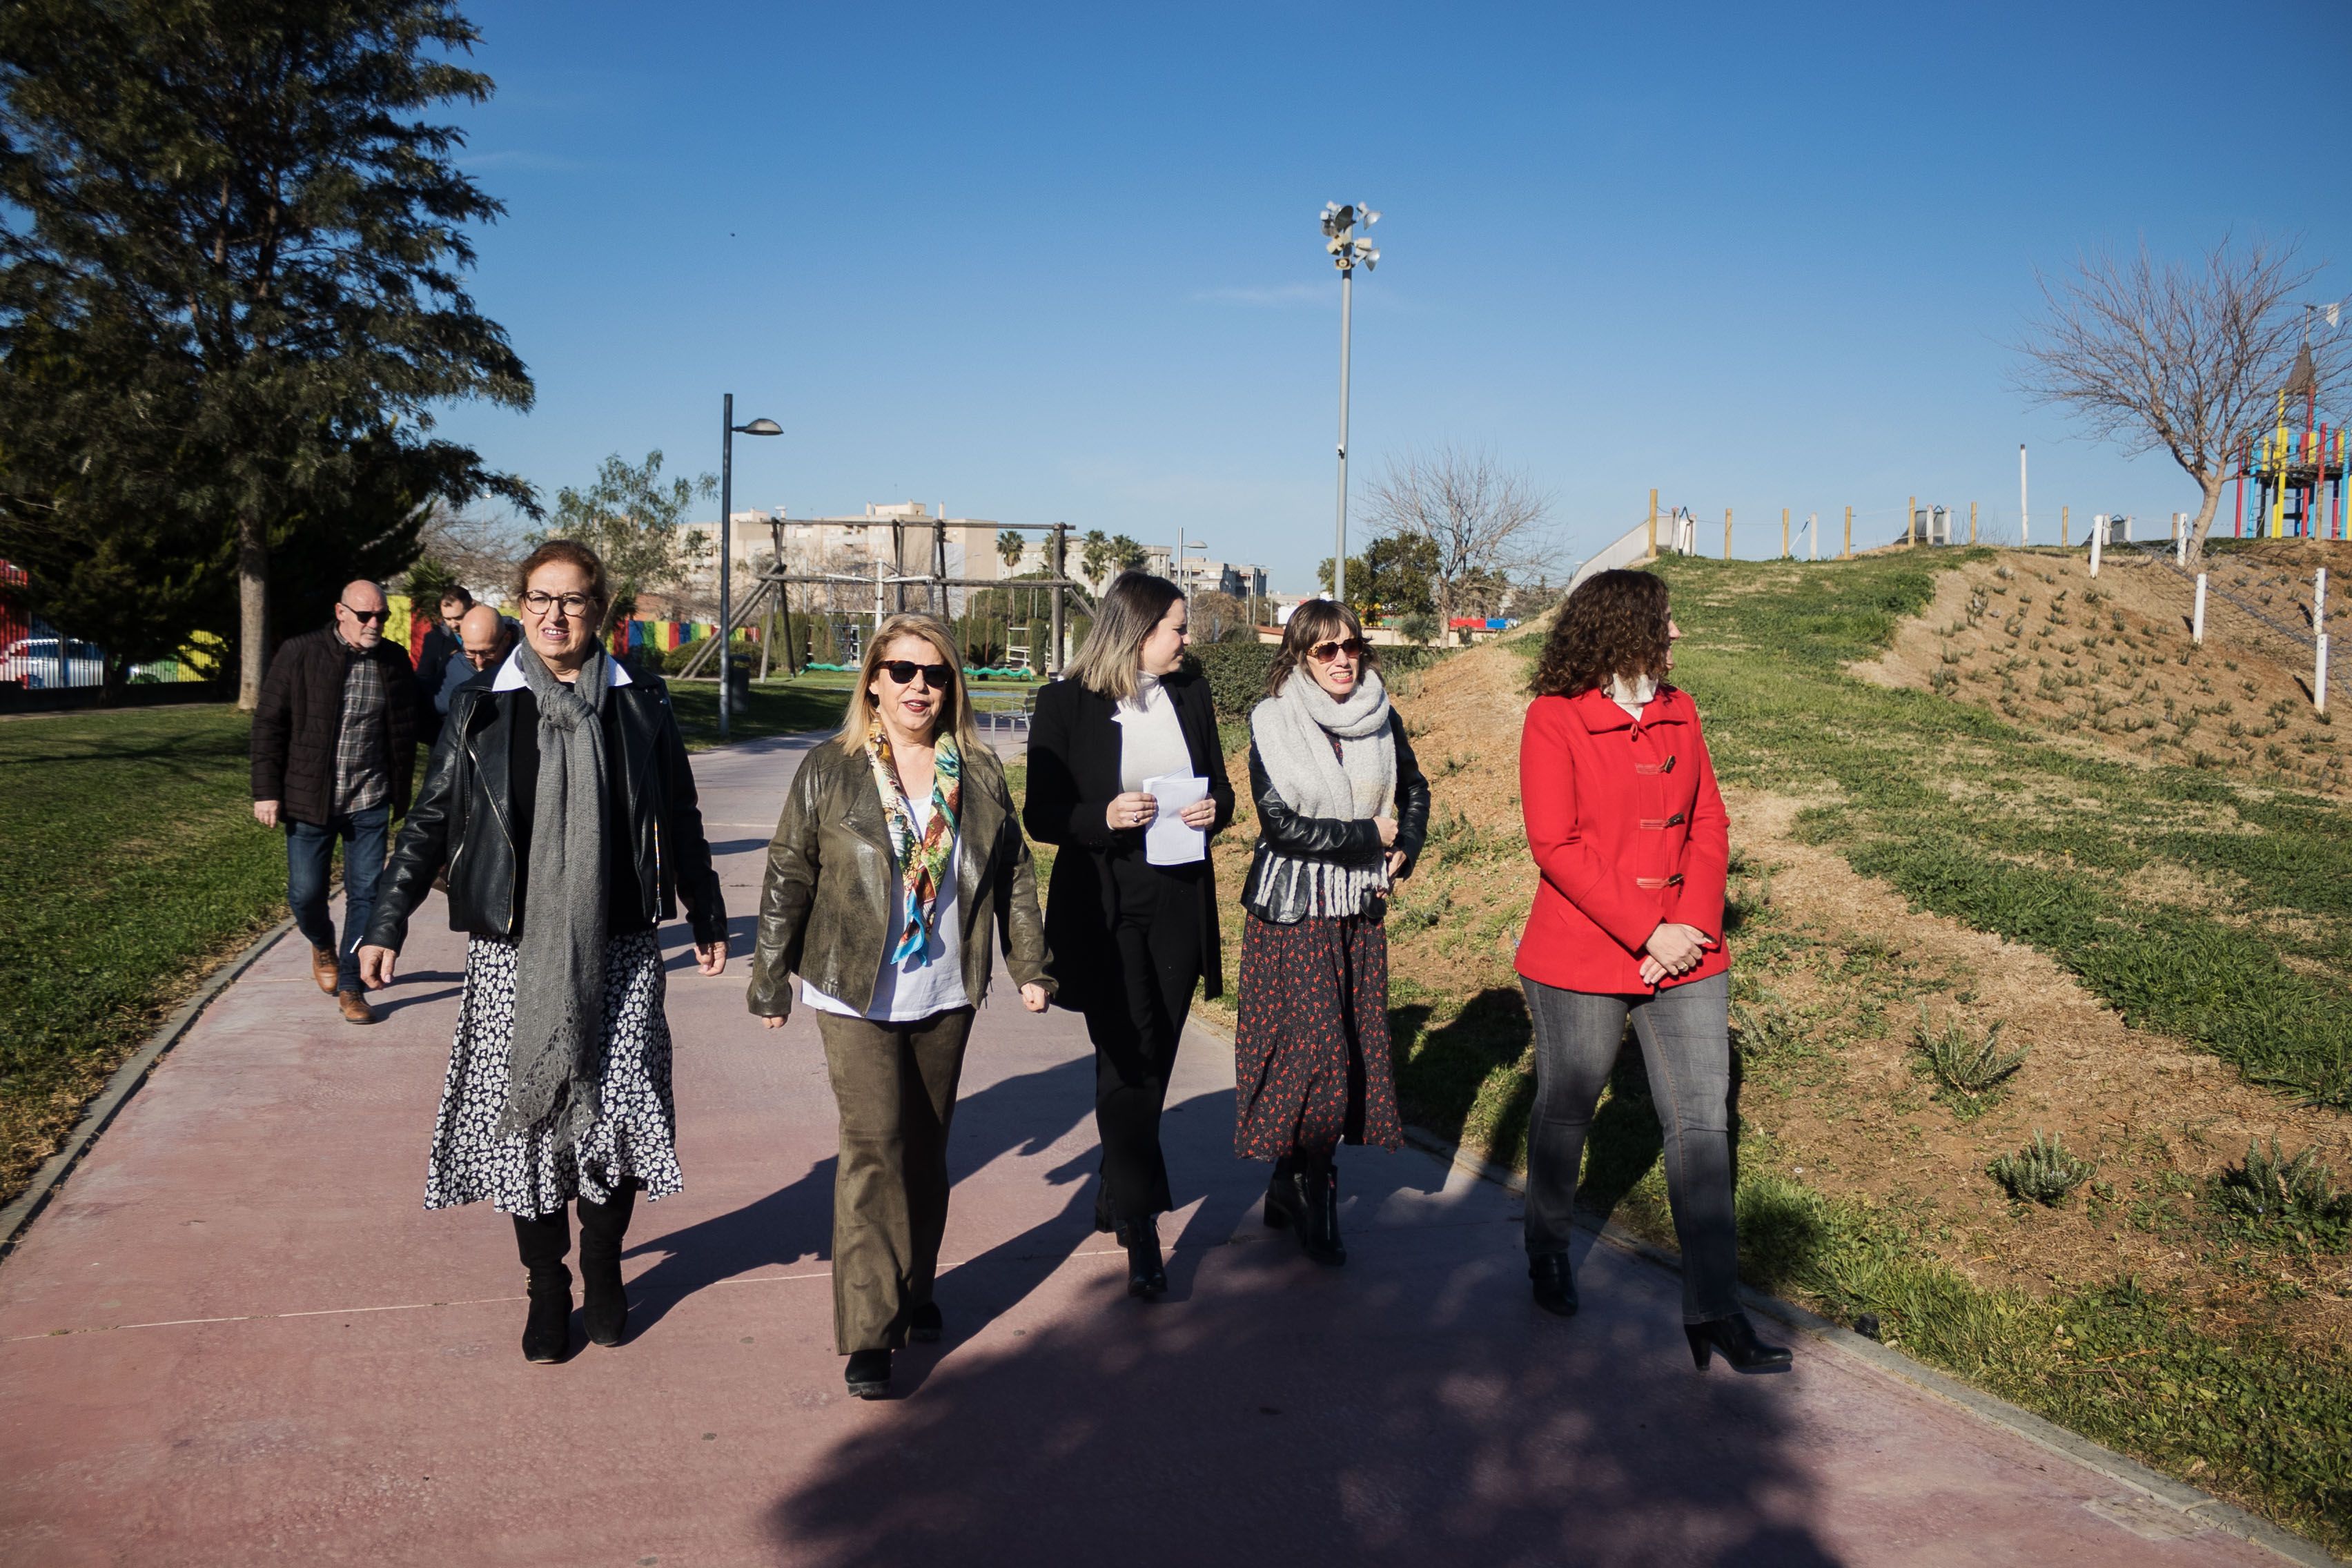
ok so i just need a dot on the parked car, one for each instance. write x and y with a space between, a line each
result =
40 662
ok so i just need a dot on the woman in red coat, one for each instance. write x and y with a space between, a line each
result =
1628 829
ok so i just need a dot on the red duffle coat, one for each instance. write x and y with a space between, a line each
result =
1628 829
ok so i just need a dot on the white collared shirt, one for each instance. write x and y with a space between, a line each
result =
510 675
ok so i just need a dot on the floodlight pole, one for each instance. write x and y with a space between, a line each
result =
1339 539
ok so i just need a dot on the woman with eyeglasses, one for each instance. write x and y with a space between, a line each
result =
897 851
559 799
1342 807
1629 832
1133 928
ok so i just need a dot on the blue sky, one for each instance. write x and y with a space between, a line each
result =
1061 264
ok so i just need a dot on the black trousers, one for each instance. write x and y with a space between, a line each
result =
1135 1024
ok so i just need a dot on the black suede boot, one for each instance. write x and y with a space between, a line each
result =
546 1327
604 1304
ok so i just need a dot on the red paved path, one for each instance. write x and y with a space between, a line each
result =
235 1338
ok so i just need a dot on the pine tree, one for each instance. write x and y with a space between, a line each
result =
230 252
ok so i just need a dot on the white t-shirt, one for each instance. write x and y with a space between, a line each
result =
926 983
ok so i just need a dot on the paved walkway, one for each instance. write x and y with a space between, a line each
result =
235 1338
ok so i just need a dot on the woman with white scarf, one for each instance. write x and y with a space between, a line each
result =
1342 807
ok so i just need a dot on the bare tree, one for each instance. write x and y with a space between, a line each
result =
2189 357
479 551
1484 522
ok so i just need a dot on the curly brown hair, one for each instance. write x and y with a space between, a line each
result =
1615 624
1315 621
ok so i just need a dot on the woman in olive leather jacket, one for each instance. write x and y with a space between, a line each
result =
1342 807
897 850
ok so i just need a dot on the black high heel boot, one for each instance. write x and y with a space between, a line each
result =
1555 1284
604 1304
1320 1233
1734 1336
1145 1276
547 1327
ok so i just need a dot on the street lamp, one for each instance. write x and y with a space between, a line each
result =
1347 246
728 430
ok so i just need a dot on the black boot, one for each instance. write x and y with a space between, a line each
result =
924 1324
868 1375
1145 1276
604 1304
1320 1187
1285 1199
547 1327
1555 1285
1734 1336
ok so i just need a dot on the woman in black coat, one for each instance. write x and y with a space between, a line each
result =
1129 939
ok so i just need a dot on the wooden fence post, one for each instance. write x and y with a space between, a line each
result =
1847 554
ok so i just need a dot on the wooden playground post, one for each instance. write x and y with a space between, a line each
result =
1653 555
1784 533
1911 523
1727 533
1847 554
2062 526
1972 522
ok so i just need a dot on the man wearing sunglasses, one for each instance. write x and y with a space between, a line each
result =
334 747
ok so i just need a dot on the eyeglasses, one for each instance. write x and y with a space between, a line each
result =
904 670
575 605
1325 652
482 660
363 614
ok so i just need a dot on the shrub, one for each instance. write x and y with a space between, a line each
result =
2044 1171
2275 1200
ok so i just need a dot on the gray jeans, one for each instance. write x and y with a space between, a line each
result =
1687 1048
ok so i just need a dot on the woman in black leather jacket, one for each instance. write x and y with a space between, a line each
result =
1342 809
559 799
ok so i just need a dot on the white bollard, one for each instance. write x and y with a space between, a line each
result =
2098 534
2319 654
2196 618
2180 539
1812 536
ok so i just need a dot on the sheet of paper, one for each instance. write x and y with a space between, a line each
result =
1168 842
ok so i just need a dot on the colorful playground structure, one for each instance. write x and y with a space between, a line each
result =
2297 474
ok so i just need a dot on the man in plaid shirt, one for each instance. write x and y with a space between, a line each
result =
334 747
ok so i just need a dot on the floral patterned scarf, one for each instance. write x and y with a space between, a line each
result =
923 862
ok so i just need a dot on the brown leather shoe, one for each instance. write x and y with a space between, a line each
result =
324 967
355 1008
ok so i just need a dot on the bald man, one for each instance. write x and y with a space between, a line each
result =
485 638
334 749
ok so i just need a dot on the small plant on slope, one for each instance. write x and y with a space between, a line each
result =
2272 1199
2044 1171
1970 1072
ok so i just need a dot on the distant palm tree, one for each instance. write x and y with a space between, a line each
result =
1011 547
1095 559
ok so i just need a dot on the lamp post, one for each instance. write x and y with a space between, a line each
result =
728 430
1347 246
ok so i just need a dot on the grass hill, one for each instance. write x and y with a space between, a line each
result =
1943 865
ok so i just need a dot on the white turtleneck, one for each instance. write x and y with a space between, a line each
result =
1633 695
1151 738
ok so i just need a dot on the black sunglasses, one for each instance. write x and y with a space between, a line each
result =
904 670
365 615
1325 652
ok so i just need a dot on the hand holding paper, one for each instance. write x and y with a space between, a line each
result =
1168 841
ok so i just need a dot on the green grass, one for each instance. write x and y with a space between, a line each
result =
133 857
815 701
1970 816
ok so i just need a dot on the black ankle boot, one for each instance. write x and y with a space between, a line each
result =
547 1326
1734 1336
604 1302
868 1375
1145 1276
1320 1187
1286 1198
1555 1285
924 1324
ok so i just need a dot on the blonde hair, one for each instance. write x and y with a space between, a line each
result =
955 713
1112 657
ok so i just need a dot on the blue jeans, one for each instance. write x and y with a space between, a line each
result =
309 852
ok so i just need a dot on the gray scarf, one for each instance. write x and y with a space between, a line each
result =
559 1008
1294 732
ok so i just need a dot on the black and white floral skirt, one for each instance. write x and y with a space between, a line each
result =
536 1173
